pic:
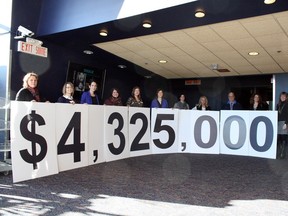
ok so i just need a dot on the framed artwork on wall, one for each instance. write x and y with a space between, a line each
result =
81 75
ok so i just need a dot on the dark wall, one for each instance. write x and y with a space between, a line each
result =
52 70
52 73
25 13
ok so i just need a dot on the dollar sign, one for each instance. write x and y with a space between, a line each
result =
33 158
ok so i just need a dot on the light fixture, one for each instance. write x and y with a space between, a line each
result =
122 66
103 32
199 14
88 52
162 61
269 1
253 53
147 24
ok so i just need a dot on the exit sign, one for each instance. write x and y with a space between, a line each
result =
193 82
32 49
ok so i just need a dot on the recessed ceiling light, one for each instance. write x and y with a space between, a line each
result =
253 53
269 1
147 24
122 66
88 52
199 14
162 61
103 33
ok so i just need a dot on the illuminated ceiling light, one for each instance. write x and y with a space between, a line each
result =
269 1
122 66
253 53
103 33
147 24
162 61
199 14
88 52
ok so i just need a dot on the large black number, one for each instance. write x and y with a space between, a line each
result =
136 145
269 134
117 131
158 128
77 146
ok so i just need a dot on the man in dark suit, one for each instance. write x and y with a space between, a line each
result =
232 104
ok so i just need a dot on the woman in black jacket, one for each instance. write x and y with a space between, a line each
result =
282 140
256 103
29 92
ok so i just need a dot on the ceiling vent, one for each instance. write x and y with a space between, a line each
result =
216 67
223 70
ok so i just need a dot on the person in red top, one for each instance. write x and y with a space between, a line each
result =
114 99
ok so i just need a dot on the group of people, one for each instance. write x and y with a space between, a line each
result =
30 92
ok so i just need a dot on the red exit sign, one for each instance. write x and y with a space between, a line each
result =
193 82
32 49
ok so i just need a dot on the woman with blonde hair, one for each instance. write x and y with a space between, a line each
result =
202 104
30 91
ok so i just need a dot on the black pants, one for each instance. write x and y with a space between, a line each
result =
282 142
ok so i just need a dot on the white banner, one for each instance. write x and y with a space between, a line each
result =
263 134
96 134
205 132
185 135
234 132
164 130
72 136
116 145
249 133
139 131
47 138
33 145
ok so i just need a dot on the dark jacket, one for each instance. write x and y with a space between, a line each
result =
236 106
261 106
282 108
199 107
24 95
63 99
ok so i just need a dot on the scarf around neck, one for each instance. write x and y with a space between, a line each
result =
35 93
